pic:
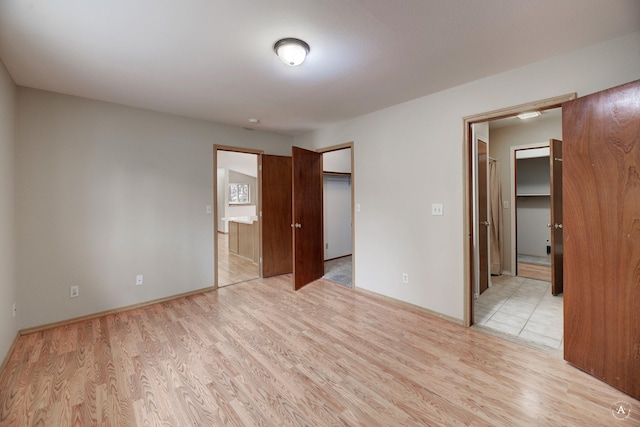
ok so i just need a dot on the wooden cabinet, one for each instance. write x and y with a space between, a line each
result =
233 237
244 239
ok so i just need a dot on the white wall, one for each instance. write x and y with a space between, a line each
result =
411 155
337 204
241 178
106 192
337 161
230 162
337 216
534 214
525 133
8 324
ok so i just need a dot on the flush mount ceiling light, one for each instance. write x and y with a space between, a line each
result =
529 115
291 51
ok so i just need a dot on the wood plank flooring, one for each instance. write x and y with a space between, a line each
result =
534 271
258 353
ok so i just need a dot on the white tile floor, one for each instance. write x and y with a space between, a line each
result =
522 307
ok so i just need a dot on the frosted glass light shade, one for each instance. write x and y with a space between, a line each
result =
529 115
291 52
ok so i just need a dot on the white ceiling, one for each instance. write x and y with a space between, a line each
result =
213 59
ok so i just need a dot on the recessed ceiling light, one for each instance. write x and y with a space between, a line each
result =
291 51
529 115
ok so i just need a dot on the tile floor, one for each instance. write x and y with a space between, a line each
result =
524 308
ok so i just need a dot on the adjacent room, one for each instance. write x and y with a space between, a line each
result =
319 213
518 300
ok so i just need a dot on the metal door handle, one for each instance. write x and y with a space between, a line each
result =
557 225
487 223
548 225
296 225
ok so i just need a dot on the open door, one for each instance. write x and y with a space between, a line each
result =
555 158
483 217
277 253
601 197
308 253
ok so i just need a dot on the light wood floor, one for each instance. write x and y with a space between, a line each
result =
534 271
233 268
258 353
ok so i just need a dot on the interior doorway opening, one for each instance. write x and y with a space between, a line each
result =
337 216
505 277
236 215
530 216
338 213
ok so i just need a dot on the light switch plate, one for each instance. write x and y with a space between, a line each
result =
437 209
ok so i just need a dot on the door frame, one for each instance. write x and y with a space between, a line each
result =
350 145
259 153
469 205
514 200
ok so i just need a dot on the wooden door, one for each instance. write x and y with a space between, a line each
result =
277 252
555 160
601 197
483 217
308 253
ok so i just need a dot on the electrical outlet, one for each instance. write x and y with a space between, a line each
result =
14 309
405 277
139 280
74 291
326 246
208 209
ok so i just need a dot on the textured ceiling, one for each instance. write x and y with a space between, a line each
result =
213 59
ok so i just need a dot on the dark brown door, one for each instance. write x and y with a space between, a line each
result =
601 196
308 253
555 158
483 216
277 252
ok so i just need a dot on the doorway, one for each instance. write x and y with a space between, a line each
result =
471 219
307 219
520 302
236 219
530 244
338 215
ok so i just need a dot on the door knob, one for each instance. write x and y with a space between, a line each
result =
548 225
486 223
556 225
296 225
